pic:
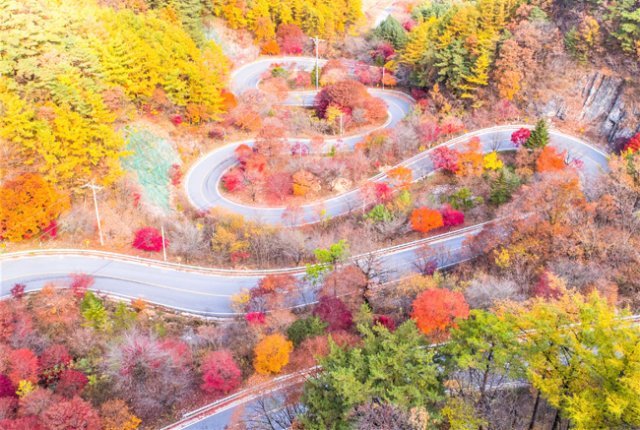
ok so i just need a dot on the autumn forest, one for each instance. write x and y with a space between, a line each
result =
319 214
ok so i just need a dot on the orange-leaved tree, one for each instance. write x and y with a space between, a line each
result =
550 160
471 160
28 204
400 177
272 354
436 309
425 219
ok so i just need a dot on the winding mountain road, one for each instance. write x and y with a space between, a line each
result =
207 291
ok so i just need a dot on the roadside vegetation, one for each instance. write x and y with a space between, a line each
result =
531 331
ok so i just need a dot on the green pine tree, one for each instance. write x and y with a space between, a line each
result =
392 31
94 312
389 367
503 186
305 328
539 136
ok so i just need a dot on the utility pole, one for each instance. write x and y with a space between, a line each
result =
382 78
94 187
164 246
316 41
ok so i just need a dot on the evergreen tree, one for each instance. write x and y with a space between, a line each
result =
392 31
94 312
539 136
503 186
304 328
393 367
626 15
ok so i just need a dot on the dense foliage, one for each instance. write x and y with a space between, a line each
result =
573 350
29 206
66 82
390 367
326 19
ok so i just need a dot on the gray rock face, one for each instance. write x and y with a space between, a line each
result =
605 105
610 106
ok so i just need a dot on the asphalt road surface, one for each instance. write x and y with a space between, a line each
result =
207 291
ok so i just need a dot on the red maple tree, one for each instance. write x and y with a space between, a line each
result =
520 136
220 373
633 144
290 38
445 158
7 389
334 312
233 180
71 383
148 239
71 414
451 217
23 366
54 360
80 283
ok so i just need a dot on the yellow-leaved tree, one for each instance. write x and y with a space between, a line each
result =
272 354
70 67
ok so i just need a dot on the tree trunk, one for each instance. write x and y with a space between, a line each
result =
556 420
535 411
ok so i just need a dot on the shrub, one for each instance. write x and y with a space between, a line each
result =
176 120
334 312
17 291
148 239
305 328
220 373
425 219
451 217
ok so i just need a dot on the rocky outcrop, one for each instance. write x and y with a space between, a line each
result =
606 103
601 102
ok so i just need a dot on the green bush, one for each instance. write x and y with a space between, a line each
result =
305 328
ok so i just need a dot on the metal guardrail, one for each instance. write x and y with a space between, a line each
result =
275 384
229 272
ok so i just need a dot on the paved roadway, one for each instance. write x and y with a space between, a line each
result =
191 289
207 291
